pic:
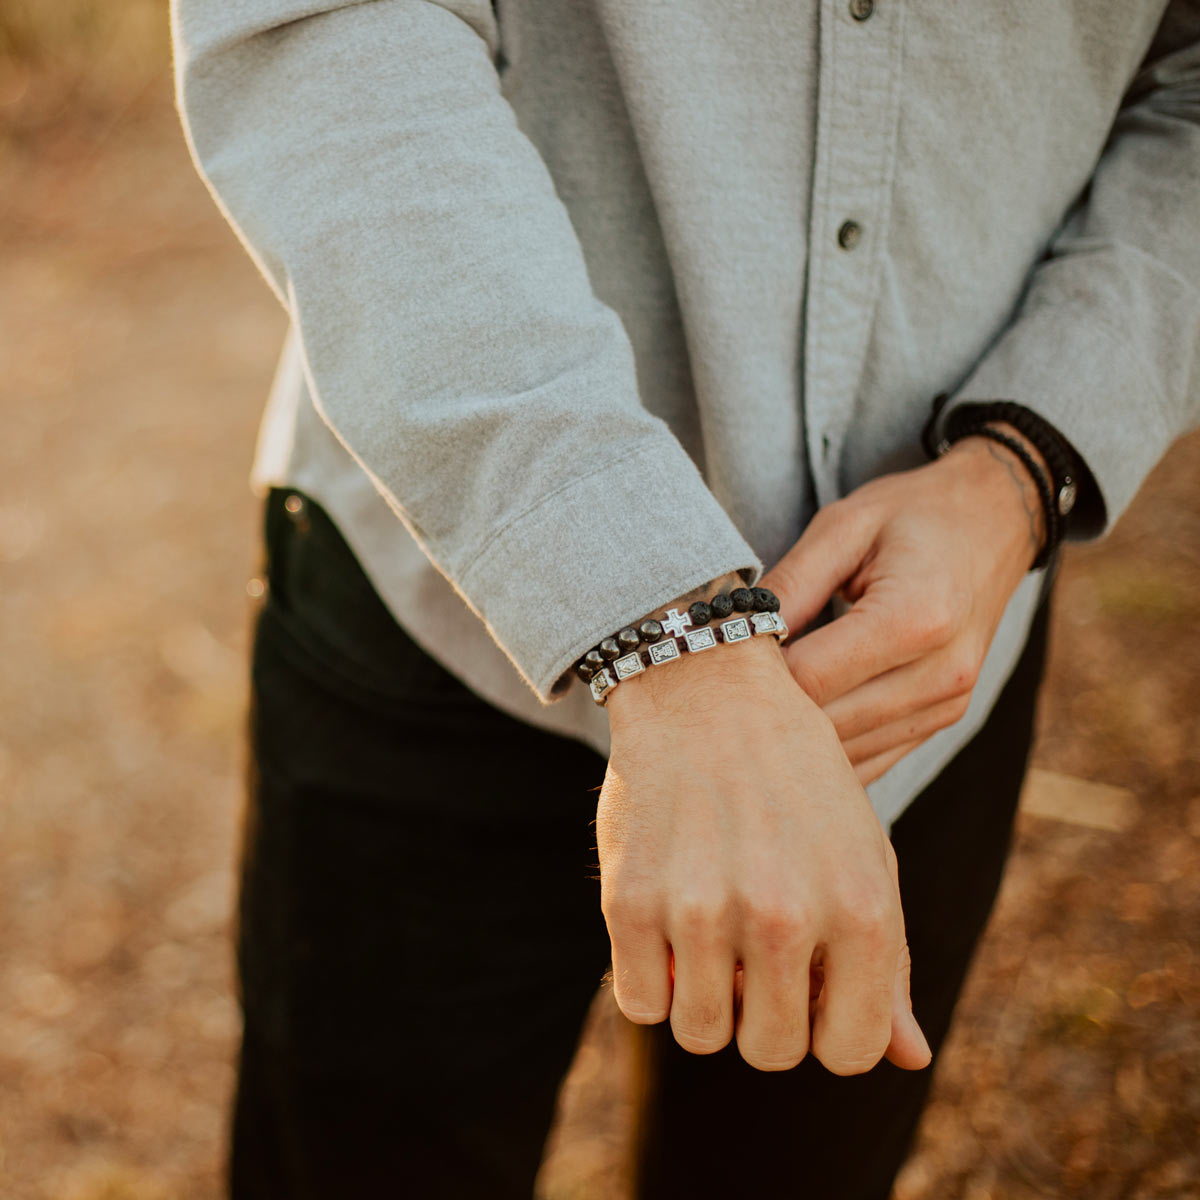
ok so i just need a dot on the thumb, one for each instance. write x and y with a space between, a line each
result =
908 1048
827 553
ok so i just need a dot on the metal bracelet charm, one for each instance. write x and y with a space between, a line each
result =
677 639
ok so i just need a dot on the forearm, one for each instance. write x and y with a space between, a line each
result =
449 332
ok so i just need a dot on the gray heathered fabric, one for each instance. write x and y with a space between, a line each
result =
572 328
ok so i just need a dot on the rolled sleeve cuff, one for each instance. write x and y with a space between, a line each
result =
598 553
1084 379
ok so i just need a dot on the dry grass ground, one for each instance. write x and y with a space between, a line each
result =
137 343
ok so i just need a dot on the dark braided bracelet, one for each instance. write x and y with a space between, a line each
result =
667 639
1059 457
1045 490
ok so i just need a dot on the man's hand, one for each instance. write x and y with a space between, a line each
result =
928 559
744 874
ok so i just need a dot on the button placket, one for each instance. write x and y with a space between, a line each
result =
857 121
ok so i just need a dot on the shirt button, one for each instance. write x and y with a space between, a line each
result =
849 235
860 10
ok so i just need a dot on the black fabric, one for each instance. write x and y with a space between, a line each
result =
848 1137
420 933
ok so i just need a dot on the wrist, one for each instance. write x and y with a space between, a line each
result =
1003 485
662 658
1017 436
680 687
1048 458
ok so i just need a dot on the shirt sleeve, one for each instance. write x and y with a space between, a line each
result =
365 155
1105 345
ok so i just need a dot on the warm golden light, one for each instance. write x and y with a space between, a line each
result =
137 343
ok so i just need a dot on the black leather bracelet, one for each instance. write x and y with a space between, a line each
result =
1058 494
1056 453
1067 472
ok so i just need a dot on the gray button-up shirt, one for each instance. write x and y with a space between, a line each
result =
595 300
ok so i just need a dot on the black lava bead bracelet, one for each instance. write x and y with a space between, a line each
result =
620 656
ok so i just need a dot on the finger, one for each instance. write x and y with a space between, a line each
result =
908 1048
641 969
912 730
702 1004
773 1032
873 768
902 691
837 658
828 553
853 1025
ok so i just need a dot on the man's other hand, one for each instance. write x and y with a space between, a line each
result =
928 560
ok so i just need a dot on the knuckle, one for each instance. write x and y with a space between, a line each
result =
932 624
770 1058
615 911
636 1009
962 673
700 1045
863 1032
775 924
701 1030
868 913
630 910
856 1061
828 514
698 917
855 1051
808 677
946 714
631 929
642 994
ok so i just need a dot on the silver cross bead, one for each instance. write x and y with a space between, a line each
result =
675 622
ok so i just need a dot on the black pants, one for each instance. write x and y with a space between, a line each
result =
420 933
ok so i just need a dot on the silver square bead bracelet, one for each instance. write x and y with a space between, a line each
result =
703 627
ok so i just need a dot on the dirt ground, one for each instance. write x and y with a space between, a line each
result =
136 343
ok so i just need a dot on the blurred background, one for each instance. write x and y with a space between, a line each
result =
136 347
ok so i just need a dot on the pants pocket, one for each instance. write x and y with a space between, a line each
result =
320 596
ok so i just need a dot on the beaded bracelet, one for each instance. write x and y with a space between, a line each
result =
620 656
